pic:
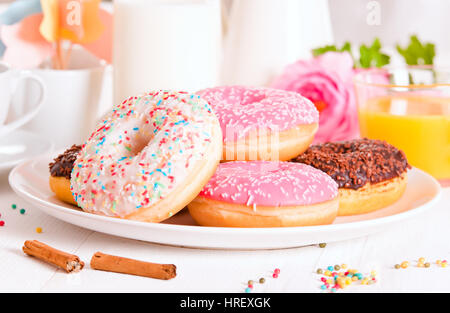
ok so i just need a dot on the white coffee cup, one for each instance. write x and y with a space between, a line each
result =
9 82
72 108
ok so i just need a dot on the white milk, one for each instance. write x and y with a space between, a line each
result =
165 44
265 35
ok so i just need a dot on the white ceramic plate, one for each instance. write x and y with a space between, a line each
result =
30 181
20 145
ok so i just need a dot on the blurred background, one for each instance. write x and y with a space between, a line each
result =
398 20
427 18
92 54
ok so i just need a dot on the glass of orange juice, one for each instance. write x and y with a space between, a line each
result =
409 107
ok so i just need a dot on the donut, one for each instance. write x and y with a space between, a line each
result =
262 123
149 158
371 174
266 194
60 170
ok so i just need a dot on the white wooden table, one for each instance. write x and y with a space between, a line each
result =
219 270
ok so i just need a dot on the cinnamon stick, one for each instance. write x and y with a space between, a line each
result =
64 260
117 264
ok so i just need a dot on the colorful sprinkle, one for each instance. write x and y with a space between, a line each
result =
343 278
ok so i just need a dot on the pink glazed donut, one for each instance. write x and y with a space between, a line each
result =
266 194
262 123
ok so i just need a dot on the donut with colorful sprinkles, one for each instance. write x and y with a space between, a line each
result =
149 158
262 123
266 194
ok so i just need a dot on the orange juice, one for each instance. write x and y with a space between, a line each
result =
417 124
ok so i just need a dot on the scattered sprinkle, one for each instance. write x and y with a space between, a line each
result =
38 230
341 278
421 263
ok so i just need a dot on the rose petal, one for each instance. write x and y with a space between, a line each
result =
327 78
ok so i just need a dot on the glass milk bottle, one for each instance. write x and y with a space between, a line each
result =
165 44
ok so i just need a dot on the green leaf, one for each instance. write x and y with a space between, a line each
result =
321 50
418 53
372 56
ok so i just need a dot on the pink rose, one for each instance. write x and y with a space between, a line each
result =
327 81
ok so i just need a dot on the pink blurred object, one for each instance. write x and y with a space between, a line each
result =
25 46
327 81
102 47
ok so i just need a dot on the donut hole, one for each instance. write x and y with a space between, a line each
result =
138 145
138 138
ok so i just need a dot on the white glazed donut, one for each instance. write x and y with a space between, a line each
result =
149 158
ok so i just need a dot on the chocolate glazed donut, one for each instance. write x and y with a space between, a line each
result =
371 174
60 170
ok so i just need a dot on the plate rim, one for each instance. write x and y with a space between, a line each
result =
223 230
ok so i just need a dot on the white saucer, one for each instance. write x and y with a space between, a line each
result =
19 145
30 181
